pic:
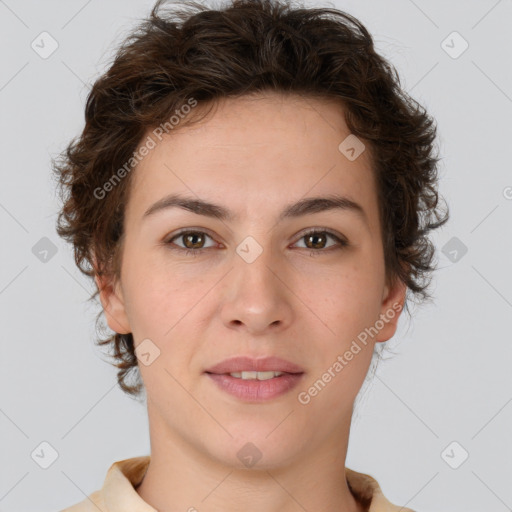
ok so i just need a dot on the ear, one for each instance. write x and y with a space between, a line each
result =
392 305
112 300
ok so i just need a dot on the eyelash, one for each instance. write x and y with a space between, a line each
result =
313 252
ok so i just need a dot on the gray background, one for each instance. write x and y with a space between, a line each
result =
450 377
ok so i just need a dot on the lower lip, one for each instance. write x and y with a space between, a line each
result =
257 390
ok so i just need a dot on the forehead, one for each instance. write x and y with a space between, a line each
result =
254 153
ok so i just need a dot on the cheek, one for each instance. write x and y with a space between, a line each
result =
353 295
164 306
159 311
349 306
158 294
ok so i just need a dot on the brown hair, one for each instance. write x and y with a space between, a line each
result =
246 47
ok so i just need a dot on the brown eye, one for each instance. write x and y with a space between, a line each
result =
190 241
315 240
318 240
193 240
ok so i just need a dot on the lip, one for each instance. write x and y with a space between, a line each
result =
262 364
256 390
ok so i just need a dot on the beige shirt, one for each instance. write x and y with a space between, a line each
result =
118 493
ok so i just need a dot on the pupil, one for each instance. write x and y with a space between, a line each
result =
312 237
191 236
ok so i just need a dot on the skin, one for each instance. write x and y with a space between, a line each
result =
253 155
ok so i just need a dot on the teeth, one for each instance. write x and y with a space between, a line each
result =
255 375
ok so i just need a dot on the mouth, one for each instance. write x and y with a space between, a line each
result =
246 367
251 375
255 380
256 387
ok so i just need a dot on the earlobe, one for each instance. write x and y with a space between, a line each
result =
112 300
392 306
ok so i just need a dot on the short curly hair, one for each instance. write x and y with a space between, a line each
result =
191 51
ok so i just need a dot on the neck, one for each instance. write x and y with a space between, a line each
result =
181 476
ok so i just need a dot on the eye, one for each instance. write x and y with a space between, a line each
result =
316 240
193 241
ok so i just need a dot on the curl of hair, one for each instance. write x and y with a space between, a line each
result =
186 50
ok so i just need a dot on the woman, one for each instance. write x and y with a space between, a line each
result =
252 194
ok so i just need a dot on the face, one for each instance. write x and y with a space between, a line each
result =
197 287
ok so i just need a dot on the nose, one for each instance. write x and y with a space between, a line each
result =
257 298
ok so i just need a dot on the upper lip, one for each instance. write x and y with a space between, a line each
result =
262 364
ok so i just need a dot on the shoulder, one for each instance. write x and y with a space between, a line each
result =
367 490
118 491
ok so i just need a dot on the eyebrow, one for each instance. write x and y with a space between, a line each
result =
298 209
